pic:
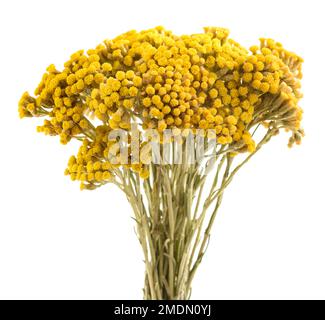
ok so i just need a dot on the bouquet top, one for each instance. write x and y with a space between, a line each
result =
159 81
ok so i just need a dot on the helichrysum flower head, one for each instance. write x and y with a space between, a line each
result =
166 81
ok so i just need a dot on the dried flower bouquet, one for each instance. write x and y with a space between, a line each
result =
169 120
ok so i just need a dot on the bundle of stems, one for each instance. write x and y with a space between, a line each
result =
175 210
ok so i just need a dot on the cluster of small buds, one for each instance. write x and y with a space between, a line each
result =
164 81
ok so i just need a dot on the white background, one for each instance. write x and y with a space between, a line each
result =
59 243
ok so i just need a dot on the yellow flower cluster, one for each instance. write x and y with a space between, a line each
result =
161 80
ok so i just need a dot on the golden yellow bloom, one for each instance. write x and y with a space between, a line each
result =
201 81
